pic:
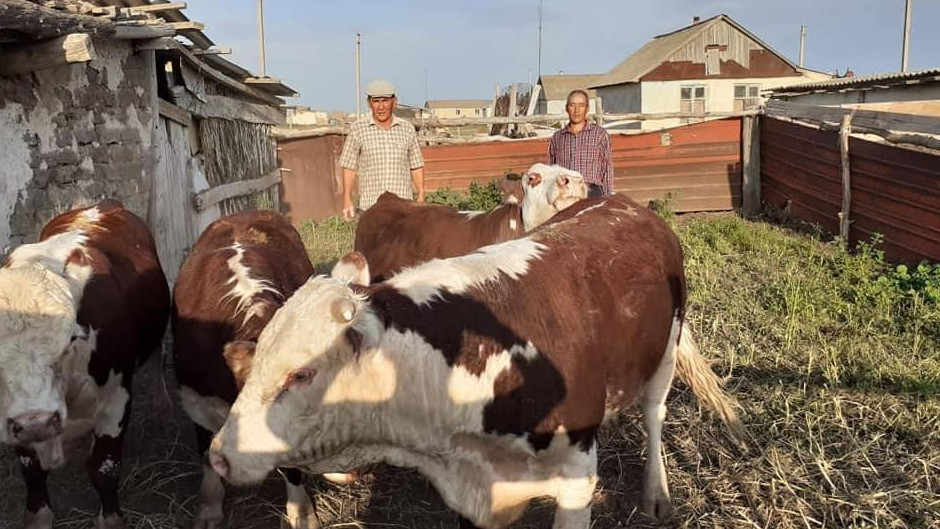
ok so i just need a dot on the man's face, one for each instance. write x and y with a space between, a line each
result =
577 109
382 108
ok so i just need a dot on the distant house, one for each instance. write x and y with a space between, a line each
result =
713 65
555 89
403 110
458 108
903 92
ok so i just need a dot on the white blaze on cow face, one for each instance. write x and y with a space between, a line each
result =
428 281
549 189
245 288
39 296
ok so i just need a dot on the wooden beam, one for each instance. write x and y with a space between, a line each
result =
845 131
553 118
175 113
227 108
750 161
212 196
41 23
293 134
70 49
598 111
189 25
215 50
887 121
143 32
152 8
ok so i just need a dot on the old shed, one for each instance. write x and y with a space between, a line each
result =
128 99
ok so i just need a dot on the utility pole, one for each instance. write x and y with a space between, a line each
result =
261 34
539 66
358 76
802 43
907 34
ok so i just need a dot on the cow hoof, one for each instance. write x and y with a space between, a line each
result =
111 521
209 517
41 519
658 507
340 478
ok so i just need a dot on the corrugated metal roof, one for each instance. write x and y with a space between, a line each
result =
559 86
458 103
654 52
867 81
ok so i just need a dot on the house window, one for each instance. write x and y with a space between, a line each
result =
746 96
692 99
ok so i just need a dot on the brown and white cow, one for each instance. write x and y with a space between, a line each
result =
241 270
79 311
396 233
490 373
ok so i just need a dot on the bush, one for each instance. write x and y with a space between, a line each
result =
477 198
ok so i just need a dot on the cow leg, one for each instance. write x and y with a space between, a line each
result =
301 512
38 511
211 492
576 491
104 469
656 500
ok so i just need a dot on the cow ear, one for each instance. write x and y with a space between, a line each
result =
239 355
533 179
352 268
511 190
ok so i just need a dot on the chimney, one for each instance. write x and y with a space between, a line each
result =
696 20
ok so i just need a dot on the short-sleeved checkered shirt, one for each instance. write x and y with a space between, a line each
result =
382 158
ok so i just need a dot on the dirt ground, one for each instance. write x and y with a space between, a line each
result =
162 473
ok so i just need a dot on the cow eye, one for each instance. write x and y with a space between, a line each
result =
300 377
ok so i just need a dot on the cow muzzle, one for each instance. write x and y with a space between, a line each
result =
34 426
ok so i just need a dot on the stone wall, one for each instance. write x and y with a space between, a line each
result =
73 135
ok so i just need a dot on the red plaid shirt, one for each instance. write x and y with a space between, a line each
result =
587 152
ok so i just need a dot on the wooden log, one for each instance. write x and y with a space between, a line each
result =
886 121
212 196
153 8
42 23
175 113
60 51
143 31
212 106
750 170
845 131
182 27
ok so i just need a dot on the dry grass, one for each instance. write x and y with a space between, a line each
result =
841 400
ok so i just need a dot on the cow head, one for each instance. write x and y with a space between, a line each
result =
310 344
549 189
39 340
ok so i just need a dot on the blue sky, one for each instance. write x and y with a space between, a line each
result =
452 49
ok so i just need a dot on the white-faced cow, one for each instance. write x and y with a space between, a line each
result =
79 311
490 372
241 270
396 233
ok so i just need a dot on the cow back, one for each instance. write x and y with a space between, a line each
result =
241 270
127 299
396 233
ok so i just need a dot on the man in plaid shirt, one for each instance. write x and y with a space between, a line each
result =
583 147
382 151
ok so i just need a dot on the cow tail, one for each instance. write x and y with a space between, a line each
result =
694 371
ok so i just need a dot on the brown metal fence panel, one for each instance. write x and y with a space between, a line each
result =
312 184
895 191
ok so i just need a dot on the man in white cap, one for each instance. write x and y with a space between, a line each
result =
381 151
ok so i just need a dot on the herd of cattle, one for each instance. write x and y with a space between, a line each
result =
483 349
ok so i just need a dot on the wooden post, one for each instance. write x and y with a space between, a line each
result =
69 49
844 222
750 165
598 111
512 107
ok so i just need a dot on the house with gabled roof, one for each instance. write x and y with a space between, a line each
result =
554 90
712 65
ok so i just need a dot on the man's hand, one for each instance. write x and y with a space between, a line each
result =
349 212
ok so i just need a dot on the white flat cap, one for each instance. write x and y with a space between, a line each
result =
380 88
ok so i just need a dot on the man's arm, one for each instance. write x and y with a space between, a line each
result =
608 164
349 178
349 161
417 177
416 164
552 158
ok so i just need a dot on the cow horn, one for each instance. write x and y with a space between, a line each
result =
344 310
